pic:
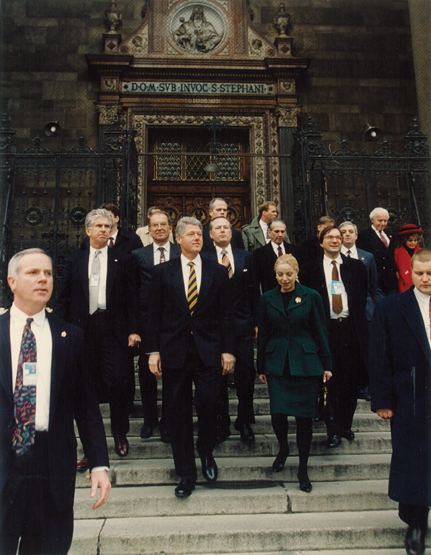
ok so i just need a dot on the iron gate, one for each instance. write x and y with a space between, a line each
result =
46 194
347 185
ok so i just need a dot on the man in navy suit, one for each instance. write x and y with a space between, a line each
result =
378 240
160 251
342 284
244 296
119 238
189 338
400 381
38 468
103 304
218 207
264 257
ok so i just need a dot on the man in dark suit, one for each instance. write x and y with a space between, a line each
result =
378 240
160 251
342 284
400 380
255 234
189 338
98 294
42 389
218 207
311 249
264 258
244 297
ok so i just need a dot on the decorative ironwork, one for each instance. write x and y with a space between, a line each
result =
347 185
45 195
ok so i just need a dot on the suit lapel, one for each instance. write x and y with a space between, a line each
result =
238 258
5 358
206 282
58 355
275 300
412 314
83 272
176 276
111 273
299 299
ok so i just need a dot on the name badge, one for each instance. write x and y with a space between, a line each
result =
94 280
336 288
29 373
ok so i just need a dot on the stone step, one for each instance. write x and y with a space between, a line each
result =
331 467
388 551
261 407
362 422
238 498
238 533
154 448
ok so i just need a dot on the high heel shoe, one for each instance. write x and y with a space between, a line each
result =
280 459
304 482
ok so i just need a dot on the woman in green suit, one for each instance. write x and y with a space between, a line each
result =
292 356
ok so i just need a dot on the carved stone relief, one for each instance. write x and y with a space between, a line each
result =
108 115
288 117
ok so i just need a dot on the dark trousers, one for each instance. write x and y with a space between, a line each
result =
148 385
27 508
244 377
178 384
342 387
111 367
414 515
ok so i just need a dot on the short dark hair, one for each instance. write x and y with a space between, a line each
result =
111 208
326 231
325 220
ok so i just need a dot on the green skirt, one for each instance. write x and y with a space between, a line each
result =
294 396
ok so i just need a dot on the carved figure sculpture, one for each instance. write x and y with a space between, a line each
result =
197 34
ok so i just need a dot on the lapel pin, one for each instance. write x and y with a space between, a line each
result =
115 259
63 334
298 300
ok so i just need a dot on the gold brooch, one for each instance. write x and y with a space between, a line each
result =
298 300
63 334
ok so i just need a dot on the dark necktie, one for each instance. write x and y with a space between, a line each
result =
226 263
348 253
24 398
383 238
111 242
162 254
192 289
280 251
337 301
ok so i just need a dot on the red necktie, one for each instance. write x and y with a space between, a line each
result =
337 301
383 238
280 251
111 242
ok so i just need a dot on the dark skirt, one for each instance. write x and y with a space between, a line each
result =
294 396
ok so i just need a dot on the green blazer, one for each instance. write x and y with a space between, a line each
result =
299 333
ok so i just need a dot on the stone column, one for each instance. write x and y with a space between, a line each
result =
420 24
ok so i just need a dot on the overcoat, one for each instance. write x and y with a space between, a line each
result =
299 333
403 263
400 380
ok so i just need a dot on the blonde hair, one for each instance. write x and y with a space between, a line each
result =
287 259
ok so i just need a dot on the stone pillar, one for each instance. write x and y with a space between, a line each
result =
420 24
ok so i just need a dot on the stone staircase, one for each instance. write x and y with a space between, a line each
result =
250 509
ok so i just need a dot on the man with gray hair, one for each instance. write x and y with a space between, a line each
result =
379 242
190 338
97 292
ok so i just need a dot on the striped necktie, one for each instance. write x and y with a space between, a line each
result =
192 289
226 263
24 397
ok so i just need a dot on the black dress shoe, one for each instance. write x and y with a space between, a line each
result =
349 435
164 436
245 431
82 464
304 482
333 441
146 431
415 541
185 487
121 445
209 469
280 459
363 393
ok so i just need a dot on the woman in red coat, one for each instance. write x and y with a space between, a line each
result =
410 236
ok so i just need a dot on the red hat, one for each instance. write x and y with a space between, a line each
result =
410 229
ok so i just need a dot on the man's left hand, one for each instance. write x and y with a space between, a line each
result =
227 362
100 479
134 339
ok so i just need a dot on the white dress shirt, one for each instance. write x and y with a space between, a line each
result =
327 267
424 306
229 253
275 248
379 236
264 228
42 333
102 275
186 271
353 251
156 252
